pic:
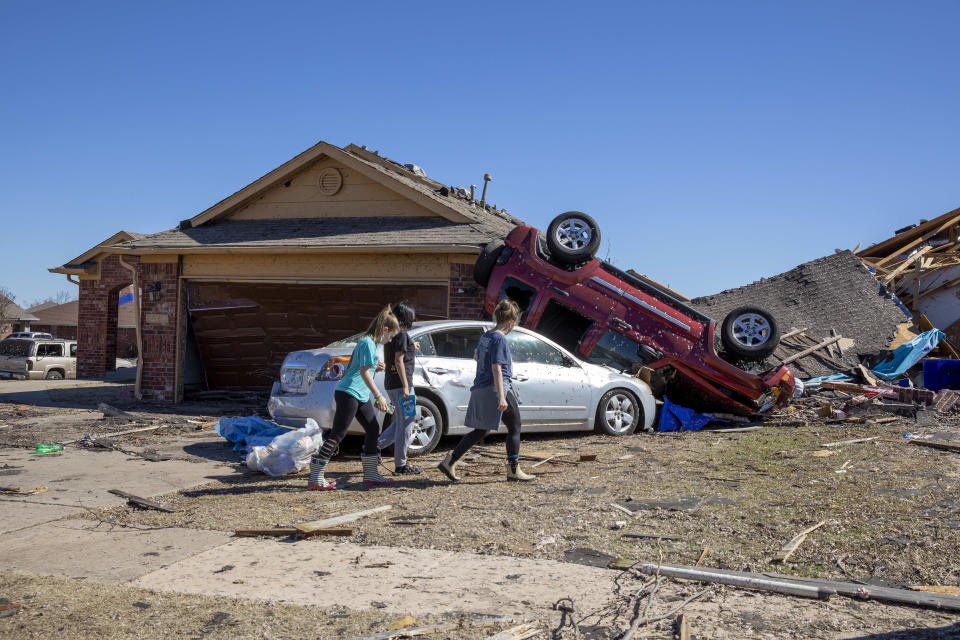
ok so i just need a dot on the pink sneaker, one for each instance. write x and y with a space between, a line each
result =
322 487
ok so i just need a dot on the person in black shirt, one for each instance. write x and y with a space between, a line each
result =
399 355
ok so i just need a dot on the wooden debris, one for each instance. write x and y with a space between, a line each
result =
409 632
142 502
291 531
703 555
683 628
946 446
787 550
545 460
854 441
119 433
519 632
735 430
623 509
110 411
654 536
588 457
947 400
17 491
810 350
403 623
307 527
823 453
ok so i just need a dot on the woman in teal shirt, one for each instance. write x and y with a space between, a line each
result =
352 397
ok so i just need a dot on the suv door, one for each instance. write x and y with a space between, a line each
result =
552 388
447 364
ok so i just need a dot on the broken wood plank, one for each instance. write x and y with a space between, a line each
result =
735 429
307 527
946 446
738 579
926 325
17 491
119 433
703 555
906 263
588 457
944 590
545 460
683 630
143 502
787 550
810 350
792 332
654 536
291 531
623 509
854 441
430 629
519 632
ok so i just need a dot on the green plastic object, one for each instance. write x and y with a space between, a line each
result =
48 448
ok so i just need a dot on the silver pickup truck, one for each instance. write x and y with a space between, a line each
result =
38 359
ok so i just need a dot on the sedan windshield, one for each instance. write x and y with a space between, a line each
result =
346 342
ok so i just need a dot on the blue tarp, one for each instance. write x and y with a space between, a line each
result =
673 417
248 432
902 358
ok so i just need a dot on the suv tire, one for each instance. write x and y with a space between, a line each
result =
483 267
54 375
619 413
749 333
573 237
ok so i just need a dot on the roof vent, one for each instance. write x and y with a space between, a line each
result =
330 181
416 170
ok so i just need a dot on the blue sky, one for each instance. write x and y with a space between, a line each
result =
715 143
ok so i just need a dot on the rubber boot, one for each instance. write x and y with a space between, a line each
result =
518 475
449 468
371 476
317 482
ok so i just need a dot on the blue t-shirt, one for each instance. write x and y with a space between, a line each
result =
492 349
364 355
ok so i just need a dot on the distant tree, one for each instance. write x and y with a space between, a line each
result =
60 297
7 310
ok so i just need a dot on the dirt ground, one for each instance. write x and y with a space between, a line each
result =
891 510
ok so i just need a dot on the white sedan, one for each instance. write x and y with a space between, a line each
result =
556 390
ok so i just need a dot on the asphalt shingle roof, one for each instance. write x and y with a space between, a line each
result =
323 232
834 292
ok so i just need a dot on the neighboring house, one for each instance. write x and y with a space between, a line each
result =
307 254
14 318
60 320
924 256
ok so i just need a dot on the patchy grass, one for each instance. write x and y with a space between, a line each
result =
894 512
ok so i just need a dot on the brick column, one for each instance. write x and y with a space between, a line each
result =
466 296
97 318
159 283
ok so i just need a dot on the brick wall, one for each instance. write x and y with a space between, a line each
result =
159 283
466 296
97 318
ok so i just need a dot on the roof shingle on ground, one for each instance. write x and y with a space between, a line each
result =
309 233
834 292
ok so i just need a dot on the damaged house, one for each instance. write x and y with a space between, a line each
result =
305 255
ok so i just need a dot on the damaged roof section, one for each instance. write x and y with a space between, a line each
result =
835 294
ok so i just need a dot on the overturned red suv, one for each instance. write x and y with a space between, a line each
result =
631 323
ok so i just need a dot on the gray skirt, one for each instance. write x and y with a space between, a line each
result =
482 412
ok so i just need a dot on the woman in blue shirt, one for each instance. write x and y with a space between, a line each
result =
492 397
352 397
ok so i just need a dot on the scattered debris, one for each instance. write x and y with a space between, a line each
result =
787 550
654 536
141 502
308 527
946 446
112 412
16 491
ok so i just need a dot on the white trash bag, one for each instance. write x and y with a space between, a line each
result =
287 452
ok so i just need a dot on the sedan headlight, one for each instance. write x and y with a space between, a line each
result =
334 369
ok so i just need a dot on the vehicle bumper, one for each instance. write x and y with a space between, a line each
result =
782 382
293 409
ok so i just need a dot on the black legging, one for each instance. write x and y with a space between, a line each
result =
510 417
349 408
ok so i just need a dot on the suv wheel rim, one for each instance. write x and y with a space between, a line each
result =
574 233
620 413
751 330
423 429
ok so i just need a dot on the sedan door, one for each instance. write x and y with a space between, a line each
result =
552 388
446 361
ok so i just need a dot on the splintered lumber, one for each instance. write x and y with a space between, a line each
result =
787 550
309 527
807 352
142 502
410 632
946 446
588 457
703 554
290 531
854 441
906 263
739 579
153 427
683 632
792 333
654 536
519 632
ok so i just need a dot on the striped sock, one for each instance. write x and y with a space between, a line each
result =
513 460
317 466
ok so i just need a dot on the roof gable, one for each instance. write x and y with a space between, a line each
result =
408 187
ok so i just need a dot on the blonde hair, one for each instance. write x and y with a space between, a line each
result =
507 311
385 321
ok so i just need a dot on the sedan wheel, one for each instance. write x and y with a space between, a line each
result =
427 428
618 413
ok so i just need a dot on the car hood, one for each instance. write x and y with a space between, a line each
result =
314 358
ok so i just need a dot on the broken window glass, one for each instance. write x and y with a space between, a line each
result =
457 343
616 350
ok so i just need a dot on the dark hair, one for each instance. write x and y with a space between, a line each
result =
405 315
